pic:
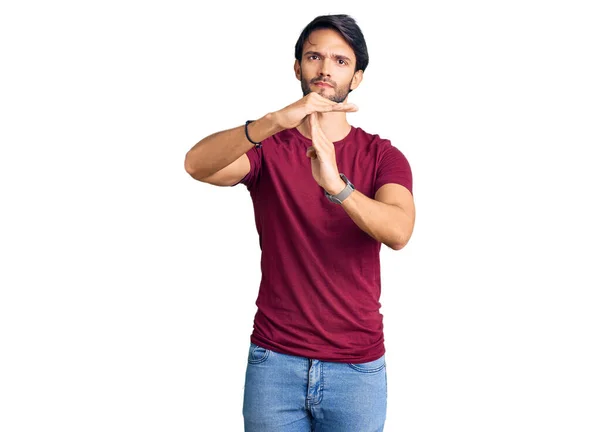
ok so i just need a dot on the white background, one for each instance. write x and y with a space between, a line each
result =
128 288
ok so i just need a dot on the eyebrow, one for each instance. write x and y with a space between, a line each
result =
338 56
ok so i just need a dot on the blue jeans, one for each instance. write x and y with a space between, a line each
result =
285 393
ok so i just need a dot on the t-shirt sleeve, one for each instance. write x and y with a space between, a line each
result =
393 167
255 157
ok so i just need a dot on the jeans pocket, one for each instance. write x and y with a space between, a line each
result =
369 367
257 354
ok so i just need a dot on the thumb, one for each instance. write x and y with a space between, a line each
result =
314 123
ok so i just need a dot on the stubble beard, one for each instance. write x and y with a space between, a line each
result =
339 95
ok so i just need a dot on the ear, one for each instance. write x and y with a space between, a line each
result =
297 69
356 79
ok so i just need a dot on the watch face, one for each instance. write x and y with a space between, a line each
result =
345 192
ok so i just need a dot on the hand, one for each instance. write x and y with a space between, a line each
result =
292 115
322 159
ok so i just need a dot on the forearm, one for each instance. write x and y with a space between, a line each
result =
220 149
386 223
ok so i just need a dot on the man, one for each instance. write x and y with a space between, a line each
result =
326 195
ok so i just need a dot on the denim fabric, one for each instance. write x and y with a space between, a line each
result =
285 393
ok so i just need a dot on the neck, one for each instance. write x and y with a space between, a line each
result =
334 125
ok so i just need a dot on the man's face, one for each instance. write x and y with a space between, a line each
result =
327 66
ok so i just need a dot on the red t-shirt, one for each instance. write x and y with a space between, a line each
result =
320 288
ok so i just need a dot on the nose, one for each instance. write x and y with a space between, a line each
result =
325 68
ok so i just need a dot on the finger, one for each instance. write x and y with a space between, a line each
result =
311 151
322 107
348 107
315 130
335 107
319 138
322 140
315 120
314 124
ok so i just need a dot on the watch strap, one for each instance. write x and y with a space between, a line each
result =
338 198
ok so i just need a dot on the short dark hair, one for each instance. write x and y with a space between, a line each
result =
346 26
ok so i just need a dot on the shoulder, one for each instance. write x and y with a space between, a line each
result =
373 141
285 136
381 147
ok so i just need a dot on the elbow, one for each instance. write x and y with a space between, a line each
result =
402 235
191 168
399 242
186 165
397 246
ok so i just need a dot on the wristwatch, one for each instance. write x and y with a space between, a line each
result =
343 194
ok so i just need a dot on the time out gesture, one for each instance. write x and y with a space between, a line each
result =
293 115
322 159
322 152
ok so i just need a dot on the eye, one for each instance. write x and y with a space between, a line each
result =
311 57
342 61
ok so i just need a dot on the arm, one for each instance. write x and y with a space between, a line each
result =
220 149
389 218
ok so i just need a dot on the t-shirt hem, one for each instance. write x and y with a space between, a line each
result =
374 354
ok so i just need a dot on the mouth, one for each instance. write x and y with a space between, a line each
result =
323 84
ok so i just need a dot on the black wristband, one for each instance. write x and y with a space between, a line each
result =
256 144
